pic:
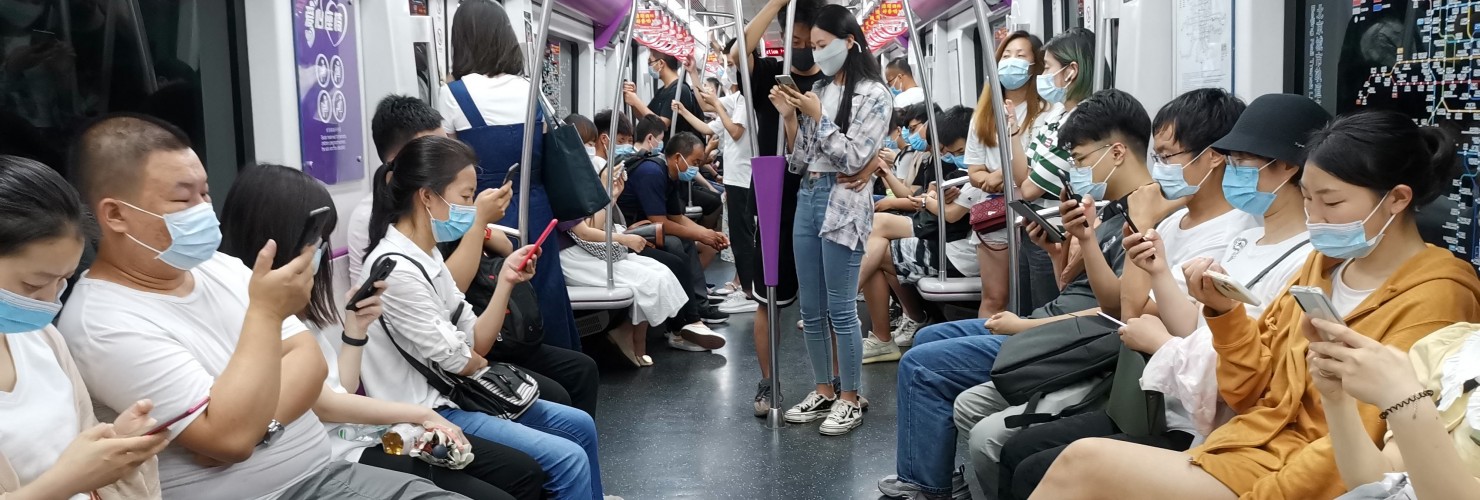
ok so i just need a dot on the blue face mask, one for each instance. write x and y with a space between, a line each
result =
951 159
1173 182
20 314
653 72
913 140
1050 92
1241 188
659 147
459 220
1347 240
1012 72
1082 180
318 257
195 234
626 149
895 91
689 173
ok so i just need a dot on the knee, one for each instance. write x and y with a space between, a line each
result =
568 461
930 334
987 437
1077 461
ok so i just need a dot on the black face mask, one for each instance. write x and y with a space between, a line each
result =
801 60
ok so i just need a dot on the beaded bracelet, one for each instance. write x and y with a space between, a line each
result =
1429 393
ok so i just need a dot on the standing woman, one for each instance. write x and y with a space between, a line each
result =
484 108
1019 60
834 131
51 445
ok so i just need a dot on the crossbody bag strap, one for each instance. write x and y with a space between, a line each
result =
465 102
1275 263
438 380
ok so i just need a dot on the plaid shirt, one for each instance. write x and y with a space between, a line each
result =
850 214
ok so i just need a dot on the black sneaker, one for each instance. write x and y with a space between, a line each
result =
812 408
711 315
763 398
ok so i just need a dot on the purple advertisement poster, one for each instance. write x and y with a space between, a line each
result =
329 123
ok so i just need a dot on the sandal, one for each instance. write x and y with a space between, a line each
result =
644 361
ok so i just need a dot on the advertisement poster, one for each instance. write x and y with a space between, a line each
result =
329 123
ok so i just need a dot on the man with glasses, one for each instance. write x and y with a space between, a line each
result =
901 80
664 68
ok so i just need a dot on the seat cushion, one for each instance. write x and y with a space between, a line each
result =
936 289
591 298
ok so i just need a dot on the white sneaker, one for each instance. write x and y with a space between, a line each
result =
679 343
844 417
700 335
813 407
904 336
878 351
736 303
799 325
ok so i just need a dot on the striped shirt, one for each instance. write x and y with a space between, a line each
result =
1045 158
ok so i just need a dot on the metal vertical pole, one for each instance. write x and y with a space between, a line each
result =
624 44
1004 144
1102 36
917 43
526 156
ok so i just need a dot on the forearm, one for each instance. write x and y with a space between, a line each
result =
1135 290
463 263
699 125
244 397
756 29
349 366
485 331
736 130
685 228
1429 455
340 408
303 375
1176 310
791 132
1357 458
1106 286
497 245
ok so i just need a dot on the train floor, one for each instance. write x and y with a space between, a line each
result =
685 427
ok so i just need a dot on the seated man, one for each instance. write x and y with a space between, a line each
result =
162 316
651 194
1110 132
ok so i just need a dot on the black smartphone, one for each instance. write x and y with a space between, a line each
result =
512 175
1067 193
380 273
312 234
1054 234
1115 209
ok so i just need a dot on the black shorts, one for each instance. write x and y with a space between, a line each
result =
786 283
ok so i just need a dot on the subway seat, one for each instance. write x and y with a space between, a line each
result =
938 289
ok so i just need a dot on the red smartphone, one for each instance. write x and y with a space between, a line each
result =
189 412
537 243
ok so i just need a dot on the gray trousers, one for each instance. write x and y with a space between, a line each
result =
342 480
980 413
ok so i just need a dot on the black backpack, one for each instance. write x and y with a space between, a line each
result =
631 161
1054 356
523 329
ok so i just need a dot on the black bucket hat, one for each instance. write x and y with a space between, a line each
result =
1275 126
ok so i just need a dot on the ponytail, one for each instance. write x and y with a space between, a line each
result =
429 162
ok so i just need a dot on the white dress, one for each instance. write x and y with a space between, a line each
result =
656 293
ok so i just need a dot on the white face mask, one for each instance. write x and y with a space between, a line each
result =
830 59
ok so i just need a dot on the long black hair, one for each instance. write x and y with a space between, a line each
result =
429 162
483 41
1379 150
35 204
859 66
271 202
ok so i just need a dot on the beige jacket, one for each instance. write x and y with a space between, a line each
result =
142 484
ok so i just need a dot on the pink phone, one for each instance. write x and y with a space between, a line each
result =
193 410
537 244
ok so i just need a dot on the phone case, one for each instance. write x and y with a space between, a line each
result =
1232 289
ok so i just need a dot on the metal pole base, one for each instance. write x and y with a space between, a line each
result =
774 419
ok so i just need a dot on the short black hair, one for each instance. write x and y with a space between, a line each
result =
603 123
682 144
806 14
483 41
1380 149
649 125
108 153
952 124
268 202
36 204
1108 113
1199 117
398 118
902 65
914 112
584 127
670 61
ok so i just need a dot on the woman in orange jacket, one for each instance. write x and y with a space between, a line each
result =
1365 175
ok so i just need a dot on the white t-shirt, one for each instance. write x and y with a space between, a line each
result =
915 95
358 233
981 154
1345 298
500 99
832 100
343 447
38 417
422 324
962 252
131 345
737 152
1208 239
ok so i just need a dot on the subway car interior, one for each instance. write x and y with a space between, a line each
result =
693 279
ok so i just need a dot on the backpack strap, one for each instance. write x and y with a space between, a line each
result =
465 102
1031 416
1275 263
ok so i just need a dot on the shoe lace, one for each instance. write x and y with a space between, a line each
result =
841 409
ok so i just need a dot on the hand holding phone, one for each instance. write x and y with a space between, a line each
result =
1314 302
1051 231
1225 285
786 81
537 244
188 412
311 235
512 175
956 182
382 271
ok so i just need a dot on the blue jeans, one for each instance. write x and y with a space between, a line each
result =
560 438
827 280
947 358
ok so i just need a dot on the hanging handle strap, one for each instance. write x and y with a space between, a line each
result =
465 102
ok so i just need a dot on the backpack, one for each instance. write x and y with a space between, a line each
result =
632 161
523 330
1054 356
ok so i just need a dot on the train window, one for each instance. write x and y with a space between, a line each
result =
63 62
1406 55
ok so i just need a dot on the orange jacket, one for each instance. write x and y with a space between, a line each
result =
1276 448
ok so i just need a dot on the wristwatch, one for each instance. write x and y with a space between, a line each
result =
273 429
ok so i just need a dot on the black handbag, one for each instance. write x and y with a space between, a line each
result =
523 331
574 189
502 390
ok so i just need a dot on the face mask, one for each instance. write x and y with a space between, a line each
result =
1012 72
1173 183
626 149
951 159
20 314
831 58
1348 240
590 150
1050 91
689 172
913 140
659 147
1082 180
895 91
195 234
459 220
801 60
1241 189
653 72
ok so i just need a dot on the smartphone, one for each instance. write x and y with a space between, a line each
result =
512 175
1068 187
380 273
1055 234
1111 318
1120 210
548 229
1232 289
788 82
956 182
43 37
312 235
1314 302
166 425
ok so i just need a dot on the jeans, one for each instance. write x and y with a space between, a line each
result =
562 439
827 279
947 358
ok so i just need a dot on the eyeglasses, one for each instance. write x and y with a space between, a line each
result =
1079 161
1163 158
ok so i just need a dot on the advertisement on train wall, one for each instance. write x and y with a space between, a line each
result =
329 124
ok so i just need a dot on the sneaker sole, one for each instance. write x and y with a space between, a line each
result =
717 321
907 342
838 431
882 358
695 349
708 342
802 418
